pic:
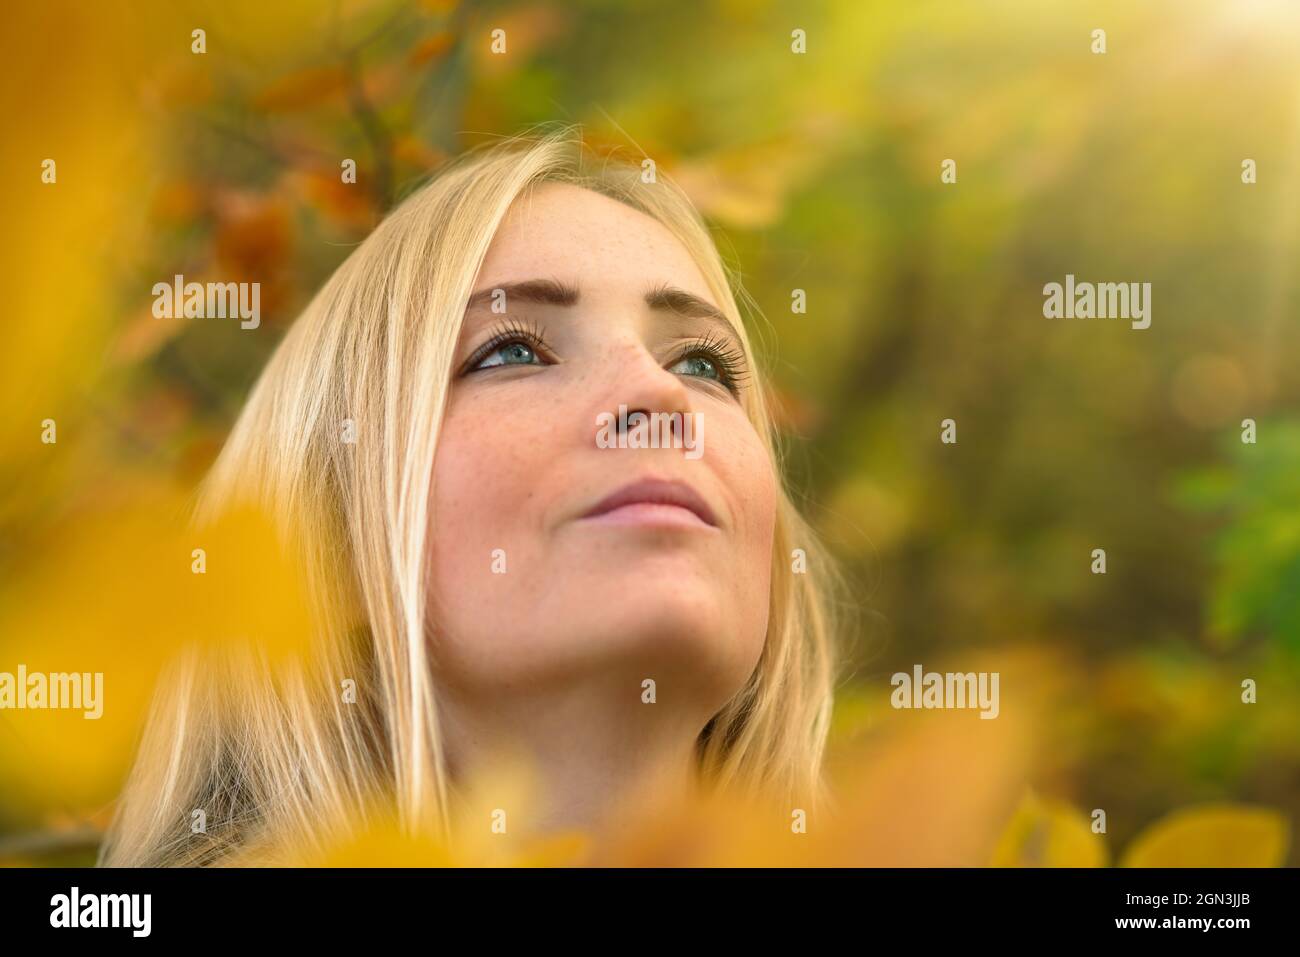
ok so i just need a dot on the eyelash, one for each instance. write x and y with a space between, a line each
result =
727 360
511 332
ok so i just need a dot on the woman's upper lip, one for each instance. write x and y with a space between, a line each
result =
656 492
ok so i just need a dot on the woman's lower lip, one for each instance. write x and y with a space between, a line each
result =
649 513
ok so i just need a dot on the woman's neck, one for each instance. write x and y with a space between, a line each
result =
569 758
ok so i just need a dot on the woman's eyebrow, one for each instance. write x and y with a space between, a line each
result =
552 292
671 299
549 292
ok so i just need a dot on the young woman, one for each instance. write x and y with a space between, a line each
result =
506 559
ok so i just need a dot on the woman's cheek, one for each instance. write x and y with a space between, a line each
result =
490 474
746 470
467 474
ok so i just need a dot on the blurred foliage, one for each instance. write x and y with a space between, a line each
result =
820 172
1256 591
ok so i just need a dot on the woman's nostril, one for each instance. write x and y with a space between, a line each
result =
632 411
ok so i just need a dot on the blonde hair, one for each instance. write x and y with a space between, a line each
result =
270 754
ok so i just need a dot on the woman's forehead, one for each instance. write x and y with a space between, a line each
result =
587 240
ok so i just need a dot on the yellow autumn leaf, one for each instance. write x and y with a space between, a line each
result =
1213 835
490 826
1049 833
384 845
115 595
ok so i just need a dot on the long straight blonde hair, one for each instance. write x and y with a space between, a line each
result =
270 754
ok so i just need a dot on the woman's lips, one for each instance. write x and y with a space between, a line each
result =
653 502
648 513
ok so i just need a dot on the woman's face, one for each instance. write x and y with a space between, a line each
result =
558 551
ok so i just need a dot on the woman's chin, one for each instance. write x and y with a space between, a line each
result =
676 624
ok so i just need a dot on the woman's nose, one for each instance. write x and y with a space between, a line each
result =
643 383
637 382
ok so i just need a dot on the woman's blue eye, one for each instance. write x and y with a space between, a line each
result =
510 354
697 366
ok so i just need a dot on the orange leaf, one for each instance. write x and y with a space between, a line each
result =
305 88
